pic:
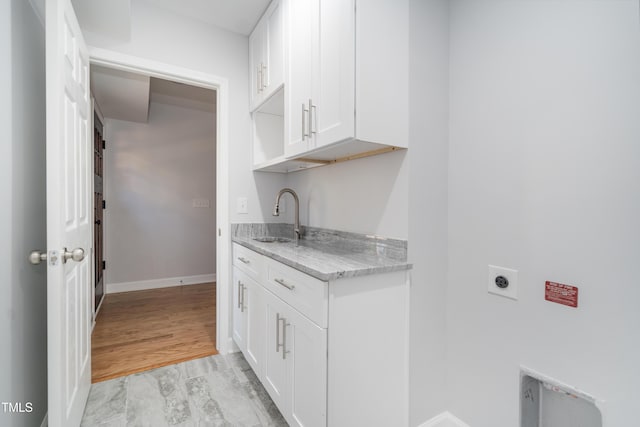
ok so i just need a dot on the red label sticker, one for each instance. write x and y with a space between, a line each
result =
561 294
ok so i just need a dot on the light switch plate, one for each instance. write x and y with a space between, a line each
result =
201 203
241 205
505 277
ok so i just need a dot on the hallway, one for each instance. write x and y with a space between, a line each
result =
138 331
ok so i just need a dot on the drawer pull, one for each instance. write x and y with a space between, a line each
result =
244 260
283 283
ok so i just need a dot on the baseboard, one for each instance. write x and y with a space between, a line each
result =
445 419
45 421
112 288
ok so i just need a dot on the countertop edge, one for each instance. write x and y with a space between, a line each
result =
325 277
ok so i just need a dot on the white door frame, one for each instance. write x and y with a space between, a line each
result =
111 59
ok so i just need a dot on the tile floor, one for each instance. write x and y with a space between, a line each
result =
212 391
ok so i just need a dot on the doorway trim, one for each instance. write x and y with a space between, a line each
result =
135 64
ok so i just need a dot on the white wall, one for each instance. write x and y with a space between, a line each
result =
428 153
153 171
362 196
162 36
23 327
544 177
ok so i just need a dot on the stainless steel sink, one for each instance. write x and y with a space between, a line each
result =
271 239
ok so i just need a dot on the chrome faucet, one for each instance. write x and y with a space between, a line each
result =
296 223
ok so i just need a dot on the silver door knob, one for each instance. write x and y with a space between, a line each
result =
36 257
77 255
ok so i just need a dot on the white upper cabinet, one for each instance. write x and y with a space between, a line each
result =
346 78
266 55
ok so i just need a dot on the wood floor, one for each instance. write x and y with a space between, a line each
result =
137 331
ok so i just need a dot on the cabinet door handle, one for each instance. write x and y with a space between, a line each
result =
264 76
304 127
313 120
278 345
283 283
310 131
244 260
284 338
259 77
242 301
239 290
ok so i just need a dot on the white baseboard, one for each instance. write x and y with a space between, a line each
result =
112 288
445 419
45 421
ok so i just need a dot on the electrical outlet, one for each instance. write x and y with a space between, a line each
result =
503 281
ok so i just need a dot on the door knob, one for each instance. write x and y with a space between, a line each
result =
77 255
36 257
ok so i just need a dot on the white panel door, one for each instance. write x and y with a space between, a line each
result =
307 368
69 218
275 360
239 326
302 16
256 42
255 318
334 92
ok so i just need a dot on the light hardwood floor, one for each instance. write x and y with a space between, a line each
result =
138 331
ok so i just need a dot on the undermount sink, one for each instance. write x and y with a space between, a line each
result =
270 239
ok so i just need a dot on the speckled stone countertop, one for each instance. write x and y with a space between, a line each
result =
325 254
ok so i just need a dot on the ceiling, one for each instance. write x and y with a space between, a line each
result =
112 18
238 16
127 96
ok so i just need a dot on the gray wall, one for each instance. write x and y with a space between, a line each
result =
23 328
153 171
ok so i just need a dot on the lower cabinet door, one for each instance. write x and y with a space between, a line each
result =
275 361
307 360
239 327
255 319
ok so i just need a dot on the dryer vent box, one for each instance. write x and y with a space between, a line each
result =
545 402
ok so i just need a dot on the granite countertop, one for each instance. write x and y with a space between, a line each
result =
325 254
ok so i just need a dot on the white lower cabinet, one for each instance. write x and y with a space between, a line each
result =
316 346
295 370
248 318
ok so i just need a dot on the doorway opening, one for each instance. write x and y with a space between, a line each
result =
158 184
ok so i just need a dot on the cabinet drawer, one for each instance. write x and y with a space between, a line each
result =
248 261
304 293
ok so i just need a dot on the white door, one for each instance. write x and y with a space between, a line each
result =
302 23
275 358
239 293
307 370
255 321
68 216
334 92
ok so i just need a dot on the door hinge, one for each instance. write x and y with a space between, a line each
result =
104 265
104 204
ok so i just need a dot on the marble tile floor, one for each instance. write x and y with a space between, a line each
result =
212 391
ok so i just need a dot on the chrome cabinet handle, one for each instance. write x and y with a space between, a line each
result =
263 76
242 299
284 338
77 255
310 131
239 287
304 127
283 283
36 257
244 260
278 345
259 77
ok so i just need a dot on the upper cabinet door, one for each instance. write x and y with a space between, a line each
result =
333 111
266 55
302 22
255 65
